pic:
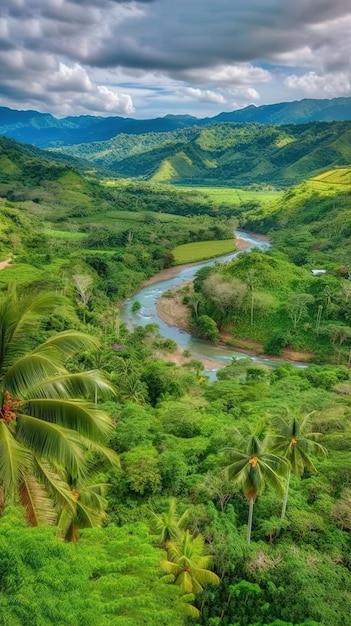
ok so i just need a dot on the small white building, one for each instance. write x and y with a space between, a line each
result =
318 272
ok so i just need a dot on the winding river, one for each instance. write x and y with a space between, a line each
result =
199 349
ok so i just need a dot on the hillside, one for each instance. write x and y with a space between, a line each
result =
225 154
44 130
53 217
311 223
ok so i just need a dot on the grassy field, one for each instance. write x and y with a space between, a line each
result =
201 250
231 196
339 176
64 234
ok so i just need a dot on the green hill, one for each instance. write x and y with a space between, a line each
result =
311 222
225 154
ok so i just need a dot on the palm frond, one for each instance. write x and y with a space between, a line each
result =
54 484
29 371
68 343
67 385
206 577
189 609
14 458
77 415
52 442
35 501
186 583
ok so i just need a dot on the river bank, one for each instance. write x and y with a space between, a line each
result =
173 312
172 316
171 272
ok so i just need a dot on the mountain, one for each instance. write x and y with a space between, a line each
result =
225 154
298 112
44 130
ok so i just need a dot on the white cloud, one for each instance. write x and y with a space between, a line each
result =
107 56
204 95
237 74
320 86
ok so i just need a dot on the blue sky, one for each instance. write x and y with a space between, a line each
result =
154 57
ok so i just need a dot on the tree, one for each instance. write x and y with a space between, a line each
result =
293 440
83 284
297 307
50 431
251 468
112 576
206 328
226 295
169 524
187 562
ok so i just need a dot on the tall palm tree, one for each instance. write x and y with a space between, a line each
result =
252 468
50 431
292 439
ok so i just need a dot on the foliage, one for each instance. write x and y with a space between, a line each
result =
49 428
111 577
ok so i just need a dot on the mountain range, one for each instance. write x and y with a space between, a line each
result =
44 130
223 154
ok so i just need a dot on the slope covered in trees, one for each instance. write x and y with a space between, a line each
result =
225 154
264 450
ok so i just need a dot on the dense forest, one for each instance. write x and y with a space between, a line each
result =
233 154
133 490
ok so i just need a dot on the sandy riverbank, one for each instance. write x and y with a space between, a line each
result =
173 312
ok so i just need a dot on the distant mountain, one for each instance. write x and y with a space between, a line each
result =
44 130
298 112
225 154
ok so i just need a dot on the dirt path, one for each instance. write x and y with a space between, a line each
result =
4 264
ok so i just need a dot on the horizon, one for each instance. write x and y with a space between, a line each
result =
169 114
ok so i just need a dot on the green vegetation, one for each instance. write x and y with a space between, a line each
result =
225 154
229 196
190 252
48 427
164 535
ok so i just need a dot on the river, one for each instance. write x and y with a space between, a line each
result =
199 349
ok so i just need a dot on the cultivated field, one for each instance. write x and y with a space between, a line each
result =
199 251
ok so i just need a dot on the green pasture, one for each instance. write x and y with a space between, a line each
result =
232 196
201 250
64 234
338 176
125 217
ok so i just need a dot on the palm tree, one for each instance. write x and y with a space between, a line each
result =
292 439
251 468
169 524
187 562
50 433
89 509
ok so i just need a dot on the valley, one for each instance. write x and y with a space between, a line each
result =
137 486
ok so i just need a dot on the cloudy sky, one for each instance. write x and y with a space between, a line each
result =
153 57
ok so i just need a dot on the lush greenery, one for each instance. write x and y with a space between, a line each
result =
225 154
230 504
59 224
190 252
